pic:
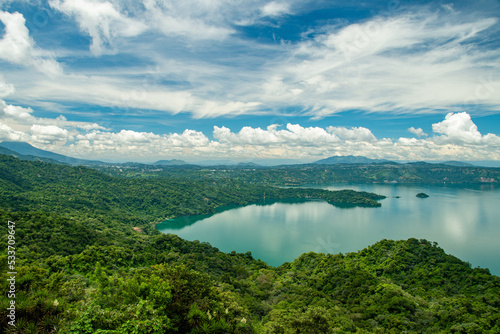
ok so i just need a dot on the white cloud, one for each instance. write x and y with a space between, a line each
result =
187 138
62 121
458 128
6 89
20 114
216 108
101 20
275 9
456 138
247 136
21 118
47 134
418 132
111 92
192 19
354 134
16 43
293 135
17 47
404 62
408 62
9 134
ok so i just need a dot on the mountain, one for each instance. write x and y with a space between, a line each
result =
173 162
248 165
349 159
447 163
457 164
4 150
20 156
420 164
27 150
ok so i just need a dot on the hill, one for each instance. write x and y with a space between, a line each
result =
173 162
25 149
6 151
457 163
349 159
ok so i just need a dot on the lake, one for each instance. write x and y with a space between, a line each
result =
463 220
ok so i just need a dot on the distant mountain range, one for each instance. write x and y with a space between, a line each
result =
173 162
457 164
350 159
26 151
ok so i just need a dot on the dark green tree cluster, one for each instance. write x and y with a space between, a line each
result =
294 175
27 185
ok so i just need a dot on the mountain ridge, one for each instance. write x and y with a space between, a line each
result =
26 149
349 159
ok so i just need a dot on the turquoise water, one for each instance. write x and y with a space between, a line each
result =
465 221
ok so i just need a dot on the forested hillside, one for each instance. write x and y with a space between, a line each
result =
88 260
293 175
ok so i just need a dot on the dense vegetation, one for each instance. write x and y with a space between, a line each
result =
83 268
292 175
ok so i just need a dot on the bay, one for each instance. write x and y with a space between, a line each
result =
464 220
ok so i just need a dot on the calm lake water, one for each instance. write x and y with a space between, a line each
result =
464 221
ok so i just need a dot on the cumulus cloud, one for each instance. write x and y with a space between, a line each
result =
9 134
293 135
17 47
418 132
48 134
456 138
17 113
187 138
16 43
458 128
353 134
141 144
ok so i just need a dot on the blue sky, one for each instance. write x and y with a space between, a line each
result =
252 80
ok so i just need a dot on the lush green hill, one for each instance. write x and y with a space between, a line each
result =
42 186
293 175
82 268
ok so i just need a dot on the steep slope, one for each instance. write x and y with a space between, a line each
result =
26 149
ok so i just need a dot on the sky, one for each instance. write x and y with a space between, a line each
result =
284 80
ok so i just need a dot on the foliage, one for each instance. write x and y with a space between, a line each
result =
294 175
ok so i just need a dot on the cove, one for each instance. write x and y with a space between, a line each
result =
461 219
